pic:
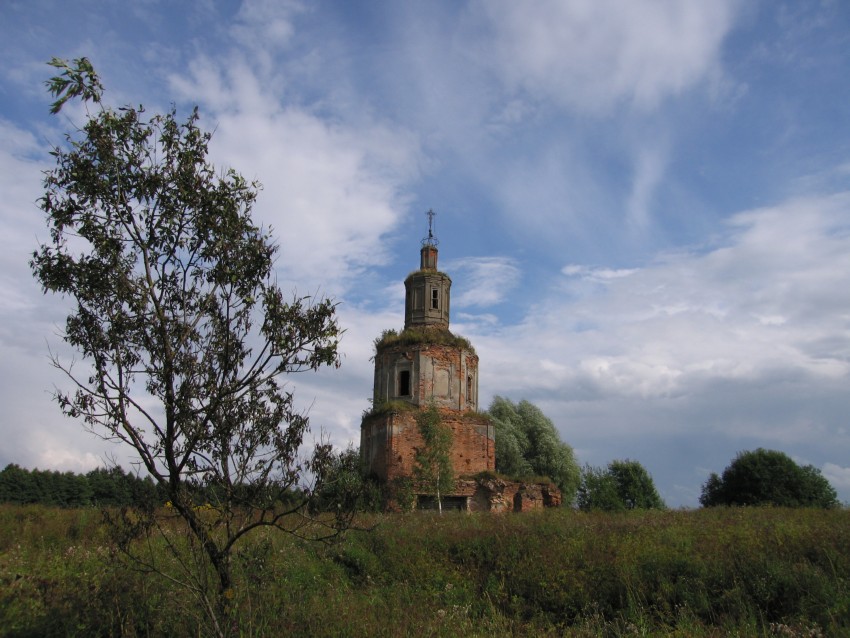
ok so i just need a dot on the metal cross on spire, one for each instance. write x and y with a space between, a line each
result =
430 240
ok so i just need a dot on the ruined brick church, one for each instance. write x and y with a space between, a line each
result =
427 365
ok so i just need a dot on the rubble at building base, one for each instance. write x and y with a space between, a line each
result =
490 493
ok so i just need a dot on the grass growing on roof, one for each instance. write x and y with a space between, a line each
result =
421 336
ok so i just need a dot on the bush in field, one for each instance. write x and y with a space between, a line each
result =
768 477
527 444
345 486
623 485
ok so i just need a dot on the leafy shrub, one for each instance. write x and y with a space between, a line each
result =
768 477
623 485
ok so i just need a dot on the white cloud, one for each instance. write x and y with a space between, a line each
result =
838 476
592 54
483 281
21 228
649 171
760 317
57 455
331 189
265 24
20 173
264 29
597 275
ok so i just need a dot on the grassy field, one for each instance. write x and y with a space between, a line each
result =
721 572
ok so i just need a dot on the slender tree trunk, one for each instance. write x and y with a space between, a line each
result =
225 627
220 560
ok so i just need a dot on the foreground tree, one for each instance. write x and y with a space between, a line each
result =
432 470
527 444
768 477
623 485
183 330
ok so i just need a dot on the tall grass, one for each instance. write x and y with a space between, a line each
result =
747 572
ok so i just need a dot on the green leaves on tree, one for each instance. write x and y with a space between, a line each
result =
623 485
178 319
433 472
528 444
768 477
77 79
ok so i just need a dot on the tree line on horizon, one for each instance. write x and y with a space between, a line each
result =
115 487
531 447
101 487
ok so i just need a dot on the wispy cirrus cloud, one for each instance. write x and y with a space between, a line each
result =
483 281
331 189
590 55
600 275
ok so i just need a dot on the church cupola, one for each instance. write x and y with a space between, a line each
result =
427 290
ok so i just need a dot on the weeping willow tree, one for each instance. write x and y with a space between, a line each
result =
528 444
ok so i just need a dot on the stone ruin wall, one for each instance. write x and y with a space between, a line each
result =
390 443
444 374
491 494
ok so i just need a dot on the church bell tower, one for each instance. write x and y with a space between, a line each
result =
424 365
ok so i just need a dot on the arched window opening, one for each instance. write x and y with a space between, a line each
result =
404 383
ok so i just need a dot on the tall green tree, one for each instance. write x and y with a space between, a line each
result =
623 485
528 444
183 333
598 491
768 477
635 485
433 471
17 485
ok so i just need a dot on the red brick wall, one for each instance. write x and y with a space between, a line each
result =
389 442
425 362
456 363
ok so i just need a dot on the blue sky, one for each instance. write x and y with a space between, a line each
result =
644 205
